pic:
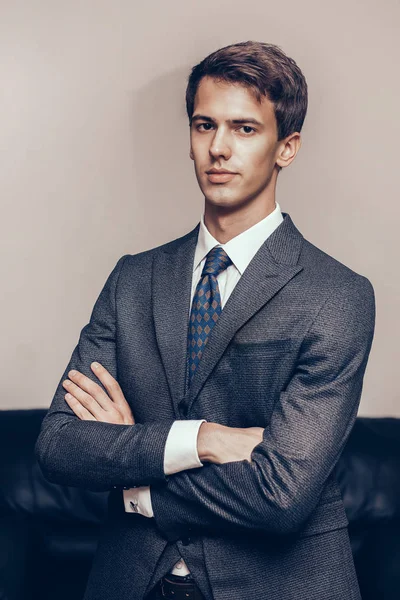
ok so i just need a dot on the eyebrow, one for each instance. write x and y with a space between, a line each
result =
235 121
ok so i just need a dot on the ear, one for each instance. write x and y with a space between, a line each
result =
288 150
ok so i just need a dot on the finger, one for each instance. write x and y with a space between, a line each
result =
91 387
89 403
78 409
110 383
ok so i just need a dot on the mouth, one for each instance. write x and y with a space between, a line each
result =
220 175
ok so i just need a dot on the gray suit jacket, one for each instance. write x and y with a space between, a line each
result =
288 353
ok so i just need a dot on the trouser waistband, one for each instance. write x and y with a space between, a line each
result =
175 587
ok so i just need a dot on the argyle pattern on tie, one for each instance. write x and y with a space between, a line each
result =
206 306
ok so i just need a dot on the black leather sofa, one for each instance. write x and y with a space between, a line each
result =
48 532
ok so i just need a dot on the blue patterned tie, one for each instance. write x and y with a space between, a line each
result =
206 306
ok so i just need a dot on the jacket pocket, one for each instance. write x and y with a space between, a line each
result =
263 347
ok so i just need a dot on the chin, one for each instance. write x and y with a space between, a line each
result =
221 202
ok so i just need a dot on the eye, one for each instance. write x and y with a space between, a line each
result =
247 128
207 126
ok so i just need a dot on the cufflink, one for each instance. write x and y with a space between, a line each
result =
134 505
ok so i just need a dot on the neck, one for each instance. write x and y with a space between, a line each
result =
226 223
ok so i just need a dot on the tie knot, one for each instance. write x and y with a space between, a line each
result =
217 261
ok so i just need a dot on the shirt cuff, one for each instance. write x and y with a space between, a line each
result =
138 500
180 451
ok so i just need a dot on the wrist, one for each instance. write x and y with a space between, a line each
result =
208 441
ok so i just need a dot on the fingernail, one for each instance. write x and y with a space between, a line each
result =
95 365
73 372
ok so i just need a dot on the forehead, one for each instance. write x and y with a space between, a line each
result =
222 100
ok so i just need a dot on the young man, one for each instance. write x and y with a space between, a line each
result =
231 364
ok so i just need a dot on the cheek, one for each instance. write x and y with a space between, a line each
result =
199 144
200 156
257 160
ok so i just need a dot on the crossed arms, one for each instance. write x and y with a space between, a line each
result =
281 485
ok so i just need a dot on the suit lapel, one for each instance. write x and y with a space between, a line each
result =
272 267
171 290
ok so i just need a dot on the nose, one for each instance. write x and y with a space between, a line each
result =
220 145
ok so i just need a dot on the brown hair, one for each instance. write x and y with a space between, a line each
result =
266 71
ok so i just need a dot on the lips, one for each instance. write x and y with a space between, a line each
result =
222 176
219 172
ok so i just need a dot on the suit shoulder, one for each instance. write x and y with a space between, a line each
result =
144 258
329 271
329 280
340 294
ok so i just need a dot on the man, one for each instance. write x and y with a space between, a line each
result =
219 377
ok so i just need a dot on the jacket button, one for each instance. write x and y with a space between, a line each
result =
183 407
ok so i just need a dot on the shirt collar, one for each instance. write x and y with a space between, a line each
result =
242 248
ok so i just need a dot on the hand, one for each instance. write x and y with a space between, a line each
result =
220 444
89 401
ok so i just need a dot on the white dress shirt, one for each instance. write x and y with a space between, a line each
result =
181 446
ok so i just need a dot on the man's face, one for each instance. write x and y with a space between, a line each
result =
231 131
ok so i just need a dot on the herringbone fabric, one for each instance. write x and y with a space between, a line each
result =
206 306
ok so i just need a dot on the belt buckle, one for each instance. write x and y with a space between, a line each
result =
189 595
163 592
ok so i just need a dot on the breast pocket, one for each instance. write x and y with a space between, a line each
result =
259 370
265 347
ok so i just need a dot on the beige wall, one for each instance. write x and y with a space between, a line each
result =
94 157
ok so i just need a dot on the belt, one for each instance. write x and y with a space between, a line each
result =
172 588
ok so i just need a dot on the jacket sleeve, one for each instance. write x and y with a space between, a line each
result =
92 454
311 421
